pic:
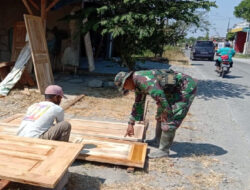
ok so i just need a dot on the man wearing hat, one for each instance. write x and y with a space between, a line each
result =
39 119
173 92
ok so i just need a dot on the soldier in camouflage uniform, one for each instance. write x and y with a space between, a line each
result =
173 92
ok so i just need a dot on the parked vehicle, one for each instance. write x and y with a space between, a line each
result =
202 49
225 66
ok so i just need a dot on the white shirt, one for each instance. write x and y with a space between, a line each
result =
39 118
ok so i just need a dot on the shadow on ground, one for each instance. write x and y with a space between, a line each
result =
186 149
197 64
212 89
78 181
232 77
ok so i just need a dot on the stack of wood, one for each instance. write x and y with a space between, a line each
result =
44 163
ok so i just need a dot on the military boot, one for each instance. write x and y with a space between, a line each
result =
156 140
167 138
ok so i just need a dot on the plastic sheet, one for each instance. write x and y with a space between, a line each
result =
14 76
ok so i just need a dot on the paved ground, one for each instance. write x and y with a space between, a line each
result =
242 60
222 107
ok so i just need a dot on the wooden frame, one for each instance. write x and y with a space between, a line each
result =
99 149
39 51
35 161
84 128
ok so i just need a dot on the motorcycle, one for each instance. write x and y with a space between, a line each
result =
224 66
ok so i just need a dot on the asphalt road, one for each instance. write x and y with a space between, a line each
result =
233 90
222 110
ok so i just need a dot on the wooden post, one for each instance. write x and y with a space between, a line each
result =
27 7
34 5
52 5
43 9
88 46
89 50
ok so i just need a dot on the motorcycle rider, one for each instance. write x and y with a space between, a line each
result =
227 50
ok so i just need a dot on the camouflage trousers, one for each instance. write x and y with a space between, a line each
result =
180 108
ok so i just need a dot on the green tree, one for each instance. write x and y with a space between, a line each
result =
243 10
137 23
167 35
230 36
207 36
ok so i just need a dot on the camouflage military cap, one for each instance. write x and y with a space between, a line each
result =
121 78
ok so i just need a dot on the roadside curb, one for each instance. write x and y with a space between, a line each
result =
247 61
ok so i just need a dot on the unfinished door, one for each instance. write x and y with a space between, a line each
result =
82 127
118 152
39 50
35 161
112 151
18 42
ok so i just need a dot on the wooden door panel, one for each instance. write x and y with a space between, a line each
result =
39 49
112 151
35 161
95 148
114 130
18 43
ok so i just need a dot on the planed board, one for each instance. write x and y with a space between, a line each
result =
18 43
114 130
98 149
35 161
118 152
39 50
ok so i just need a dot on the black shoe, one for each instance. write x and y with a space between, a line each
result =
153 143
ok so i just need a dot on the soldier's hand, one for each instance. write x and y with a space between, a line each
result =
130 131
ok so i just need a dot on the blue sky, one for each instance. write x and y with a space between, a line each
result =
219 18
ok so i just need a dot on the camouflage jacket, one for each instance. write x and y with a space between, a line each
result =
149 82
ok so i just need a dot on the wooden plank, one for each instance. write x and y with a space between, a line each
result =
69 104
27 7
6 64
52 4
83 127
43 9
98 149
34 5
39 49
35 161
19 34
18 43
4 183
112 151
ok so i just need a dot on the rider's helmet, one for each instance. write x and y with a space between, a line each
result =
227 44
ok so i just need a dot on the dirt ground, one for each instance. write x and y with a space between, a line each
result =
193 163
190 169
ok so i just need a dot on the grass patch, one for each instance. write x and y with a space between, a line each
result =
242 56
171 55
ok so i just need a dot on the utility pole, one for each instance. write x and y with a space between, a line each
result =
228 25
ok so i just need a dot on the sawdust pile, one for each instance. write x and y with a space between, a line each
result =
18 101
208 178
164 165
138 183
205 161
104 103
203 180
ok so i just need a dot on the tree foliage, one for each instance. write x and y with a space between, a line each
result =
243 10
141 24
230 36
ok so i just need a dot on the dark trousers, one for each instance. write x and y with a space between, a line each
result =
59 132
